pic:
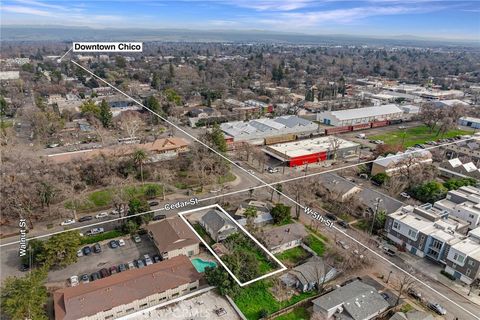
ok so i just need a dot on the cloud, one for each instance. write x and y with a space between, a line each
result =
26 10
40 4
272 5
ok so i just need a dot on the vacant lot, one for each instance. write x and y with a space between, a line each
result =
102 199
416 135
256 299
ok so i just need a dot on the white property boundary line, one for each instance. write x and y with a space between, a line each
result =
242 284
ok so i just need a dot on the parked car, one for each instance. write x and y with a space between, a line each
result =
95 276
437 308
79 253
113 244
153 203
220 312
85 218
156 258
104 273
331 217
122 267
148 261
137 239
97 248
251 172
343 244
414 294
113 270
405 195
94 231
85 278
343 224
389 251
140 263
87 251
385 295
73 281
121 242
67 222
24 267
131 265
272 170
159 217
101 215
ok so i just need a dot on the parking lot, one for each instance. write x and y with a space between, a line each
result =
105 259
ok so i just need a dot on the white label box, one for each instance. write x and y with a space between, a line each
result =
107 46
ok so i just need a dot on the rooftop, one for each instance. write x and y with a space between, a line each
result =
283 234
104 294
171 234
358 299
366 112
265 125
309 146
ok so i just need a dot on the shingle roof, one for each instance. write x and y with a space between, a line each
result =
171 234
216 220
284 234
358 299
412 315
123 288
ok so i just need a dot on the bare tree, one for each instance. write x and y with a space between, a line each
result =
335 144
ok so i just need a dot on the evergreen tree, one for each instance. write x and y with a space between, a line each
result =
218 138
105 114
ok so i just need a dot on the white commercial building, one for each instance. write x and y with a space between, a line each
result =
360 115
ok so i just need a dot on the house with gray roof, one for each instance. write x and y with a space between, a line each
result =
355 300
308 275
218 225
281 238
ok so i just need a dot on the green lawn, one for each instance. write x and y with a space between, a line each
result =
299 313
101 237
256 297
315 244
415 135
102 199
293 256
318 234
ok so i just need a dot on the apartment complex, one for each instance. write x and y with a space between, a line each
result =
127 292
463 203
429 232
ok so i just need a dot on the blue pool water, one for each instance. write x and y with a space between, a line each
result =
200 264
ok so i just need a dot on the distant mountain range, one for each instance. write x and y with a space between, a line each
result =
64 33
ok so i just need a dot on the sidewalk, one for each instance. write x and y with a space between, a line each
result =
421 265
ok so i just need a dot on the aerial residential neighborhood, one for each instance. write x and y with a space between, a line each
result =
239 160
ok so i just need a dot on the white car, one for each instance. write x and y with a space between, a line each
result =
148 261
121 242
67 222
79 253
251 172
73 281
405 195
101 215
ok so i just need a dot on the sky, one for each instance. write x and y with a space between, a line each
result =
421 18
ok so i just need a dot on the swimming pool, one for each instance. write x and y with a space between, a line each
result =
200 264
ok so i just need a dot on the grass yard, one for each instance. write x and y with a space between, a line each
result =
315 244
299 313
293 256
256 297
101 199
415 135
318 234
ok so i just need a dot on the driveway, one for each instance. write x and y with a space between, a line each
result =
107 258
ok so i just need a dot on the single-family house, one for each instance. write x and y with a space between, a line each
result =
218 225
281 238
